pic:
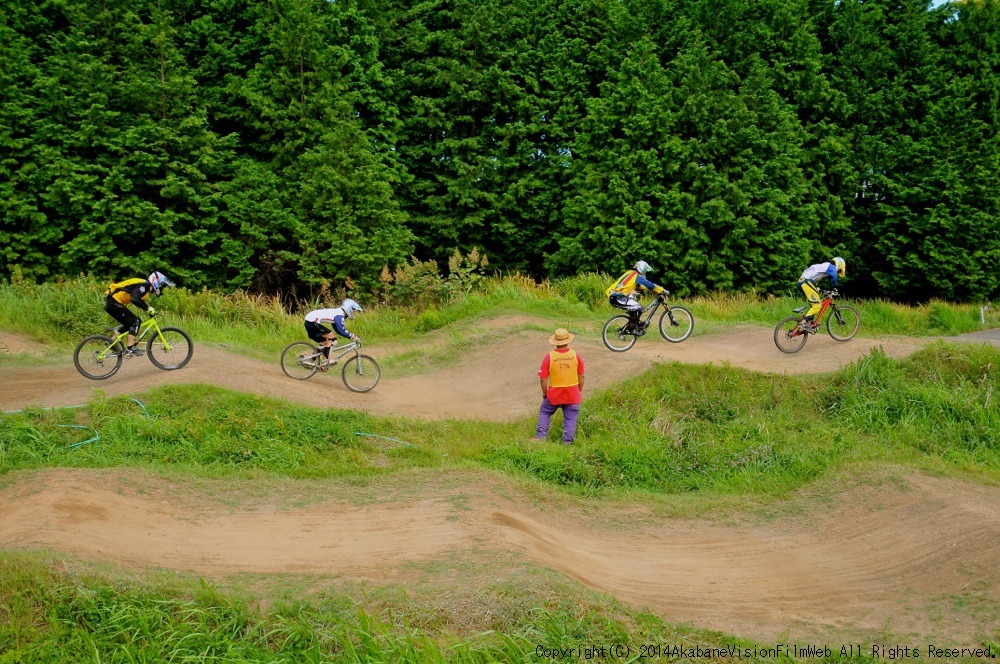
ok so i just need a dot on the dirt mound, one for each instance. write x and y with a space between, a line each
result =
895 559
492 382
19 344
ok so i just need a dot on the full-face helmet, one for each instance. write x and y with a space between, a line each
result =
158 281
642 267
349 306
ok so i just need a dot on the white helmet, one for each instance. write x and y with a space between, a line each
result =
841 266
349 306
643 267
157 281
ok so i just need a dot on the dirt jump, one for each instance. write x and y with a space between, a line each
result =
906 557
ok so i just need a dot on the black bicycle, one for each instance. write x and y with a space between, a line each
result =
676 324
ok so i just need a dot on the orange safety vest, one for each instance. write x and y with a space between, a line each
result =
563 369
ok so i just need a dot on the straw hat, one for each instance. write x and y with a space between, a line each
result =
561 337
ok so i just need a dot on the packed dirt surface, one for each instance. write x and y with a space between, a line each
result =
895 559
913 557
494 381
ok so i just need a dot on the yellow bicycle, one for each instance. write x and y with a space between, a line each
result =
100 356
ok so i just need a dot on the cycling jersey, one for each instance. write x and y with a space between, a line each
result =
820 270
629 282
130 291
335 316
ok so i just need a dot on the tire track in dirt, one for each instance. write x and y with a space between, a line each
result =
885 559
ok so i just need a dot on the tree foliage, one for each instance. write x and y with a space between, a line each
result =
299 145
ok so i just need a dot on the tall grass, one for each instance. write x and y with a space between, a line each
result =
62 312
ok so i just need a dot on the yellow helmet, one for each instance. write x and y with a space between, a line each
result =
841 266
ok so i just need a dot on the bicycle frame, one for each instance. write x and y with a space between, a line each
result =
147 325
824 305
342 351
650 309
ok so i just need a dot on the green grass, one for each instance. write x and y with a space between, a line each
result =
51 614
700 436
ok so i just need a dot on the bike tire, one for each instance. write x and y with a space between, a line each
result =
361 373
89 361
299 360
180 344
788 336
614 338
847 330
680 328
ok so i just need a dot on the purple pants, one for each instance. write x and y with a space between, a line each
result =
570 413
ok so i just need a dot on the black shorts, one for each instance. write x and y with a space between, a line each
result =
317 332
118 311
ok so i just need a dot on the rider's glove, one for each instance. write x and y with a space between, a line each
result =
151 311
356 338
834 292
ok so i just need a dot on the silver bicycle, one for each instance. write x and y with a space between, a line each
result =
302 360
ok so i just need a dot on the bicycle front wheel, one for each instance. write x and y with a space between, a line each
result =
843 323
676 324
361 373
300 360
170 349
615 337
97 357
788 336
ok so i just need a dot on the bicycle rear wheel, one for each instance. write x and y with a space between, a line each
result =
843 323
95 359
300 360
676 324
361 373
788 336
171 349
615 338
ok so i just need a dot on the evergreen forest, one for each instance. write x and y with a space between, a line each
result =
281 146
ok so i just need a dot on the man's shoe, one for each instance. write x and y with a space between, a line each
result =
811 328
132 351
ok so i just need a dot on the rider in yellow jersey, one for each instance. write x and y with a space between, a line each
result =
134 292
621 294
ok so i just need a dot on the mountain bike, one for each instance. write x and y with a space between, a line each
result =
791 333
676 324
301 360
100 356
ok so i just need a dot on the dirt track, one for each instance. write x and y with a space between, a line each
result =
494 382
892 559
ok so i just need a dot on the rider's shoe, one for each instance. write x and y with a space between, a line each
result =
811 328
132 351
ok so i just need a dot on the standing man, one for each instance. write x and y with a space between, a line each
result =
561 378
